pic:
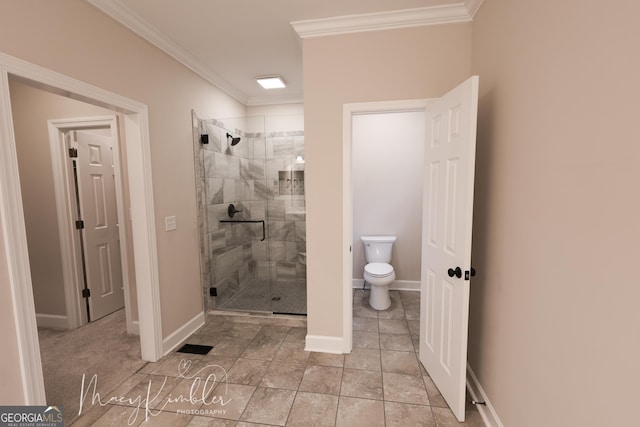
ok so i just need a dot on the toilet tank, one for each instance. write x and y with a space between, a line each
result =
378 248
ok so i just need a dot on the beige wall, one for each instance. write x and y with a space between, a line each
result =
376 66
75 39
31 108
555 327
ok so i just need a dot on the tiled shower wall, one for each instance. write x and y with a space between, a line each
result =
248 175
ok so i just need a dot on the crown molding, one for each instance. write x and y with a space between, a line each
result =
119 12
261 100
395 19
473 6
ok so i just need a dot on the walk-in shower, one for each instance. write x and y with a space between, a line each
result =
251 213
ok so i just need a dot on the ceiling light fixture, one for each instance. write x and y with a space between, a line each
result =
271 82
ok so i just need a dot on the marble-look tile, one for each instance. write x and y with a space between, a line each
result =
435 397
228 401
275 210
285 271
261 190
301 230
261 349
360 383
404 414
326 359
366 339
188 395
120 416
297 335
397 342
395 311
404 388
400 362
292 353
229 346
283 375
321 379
247 371
361 307
445 418
414 327
281 230
363 358
269 406
214 191
252 169
313 410
245 331
356 412
201 421
365 324
393 326
277 250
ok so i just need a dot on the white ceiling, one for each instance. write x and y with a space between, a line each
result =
231 42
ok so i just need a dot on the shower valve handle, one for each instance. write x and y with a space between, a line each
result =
231 210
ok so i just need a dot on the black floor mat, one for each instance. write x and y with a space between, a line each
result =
195 349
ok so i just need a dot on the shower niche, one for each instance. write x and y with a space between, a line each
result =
259 171
291 183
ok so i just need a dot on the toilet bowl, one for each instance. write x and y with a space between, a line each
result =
378 272
379 275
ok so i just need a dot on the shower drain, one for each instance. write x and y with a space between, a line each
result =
275 299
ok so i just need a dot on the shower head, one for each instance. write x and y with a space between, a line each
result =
234 141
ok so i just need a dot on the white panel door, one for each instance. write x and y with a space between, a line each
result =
446 240
97 196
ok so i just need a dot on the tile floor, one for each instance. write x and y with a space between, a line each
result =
258 374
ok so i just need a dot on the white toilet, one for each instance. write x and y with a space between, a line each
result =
378 272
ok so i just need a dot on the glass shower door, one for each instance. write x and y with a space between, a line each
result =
287 222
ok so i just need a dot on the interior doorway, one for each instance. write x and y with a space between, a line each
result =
135 129
91 207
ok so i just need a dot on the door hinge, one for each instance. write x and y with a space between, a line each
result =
80 225
86 293
73 152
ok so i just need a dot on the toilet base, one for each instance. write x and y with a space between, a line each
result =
379 297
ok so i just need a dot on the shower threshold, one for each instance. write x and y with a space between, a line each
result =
262 296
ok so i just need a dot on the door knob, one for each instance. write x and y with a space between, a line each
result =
457 272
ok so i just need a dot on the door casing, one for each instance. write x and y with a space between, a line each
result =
348 111
136 127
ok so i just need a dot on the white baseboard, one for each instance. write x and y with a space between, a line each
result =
134 328
487 411
324 344
171 342
397 285
52 321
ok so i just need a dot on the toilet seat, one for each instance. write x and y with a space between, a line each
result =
378 269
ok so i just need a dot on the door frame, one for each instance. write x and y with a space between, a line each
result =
348 111
136 128
69 244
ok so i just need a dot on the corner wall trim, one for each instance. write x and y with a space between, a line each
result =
487 412
325 344
178 336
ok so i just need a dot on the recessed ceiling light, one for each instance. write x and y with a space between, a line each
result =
271 82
